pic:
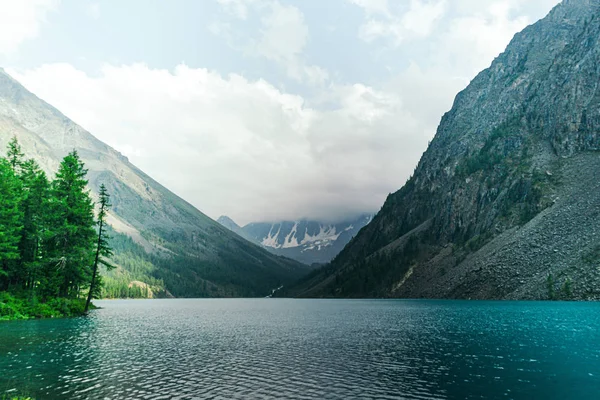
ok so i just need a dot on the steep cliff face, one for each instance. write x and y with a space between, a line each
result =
497 206
194 255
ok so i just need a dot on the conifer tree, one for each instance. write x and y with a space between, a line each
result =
103 248
71 233
11 220
34 208
48 241
15 154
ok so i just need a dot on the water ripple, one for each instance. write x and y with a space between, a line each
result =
304 349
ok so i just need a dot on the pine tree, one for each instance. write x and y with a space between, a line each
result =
71 234
14 154
103 248
34 208
11 223
48 241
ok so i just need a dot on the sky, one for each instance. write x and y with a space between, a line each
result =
261 110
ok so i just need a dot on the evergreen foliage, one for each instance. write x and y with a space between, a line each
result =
11 224
33 205
103 249
49 247
70 239
133 264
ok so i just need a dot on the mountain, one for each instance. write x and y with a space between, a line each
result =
162 242
310 242
504 204
229 224
232 226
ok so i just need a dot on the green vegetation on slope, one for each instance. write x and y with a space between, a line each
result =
134 276
49 246
166 273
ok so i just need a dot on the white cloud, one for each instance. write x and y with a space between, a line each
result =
20 20
243 148
283 35
469 41
418 20
239 8
461 37
373 6
250 150
282 38
421 17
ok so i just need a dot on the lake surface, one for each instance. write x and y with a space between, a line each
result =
308 349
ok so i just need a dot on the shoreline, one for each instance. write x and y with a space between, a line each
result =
16 308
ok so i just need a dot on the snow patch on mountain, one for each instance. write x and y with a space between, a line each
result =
303 240
271 239
291 240
327 233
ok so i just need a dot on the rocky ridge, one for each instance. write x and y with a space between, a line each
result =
504 203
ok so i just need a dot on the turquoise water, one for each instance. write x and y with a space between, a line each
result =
308 349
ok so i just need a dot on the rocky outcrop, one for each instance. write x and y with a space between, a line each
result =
504 203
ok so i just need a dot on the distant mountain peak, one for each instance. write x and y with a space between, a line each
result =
228 223
305 240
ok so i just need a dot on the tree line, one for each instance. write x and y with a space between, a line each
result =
51 240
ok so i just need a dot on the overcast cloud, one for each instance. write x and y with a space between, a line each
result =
289 110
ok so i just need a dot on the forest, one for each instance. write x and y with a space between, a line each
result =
53 238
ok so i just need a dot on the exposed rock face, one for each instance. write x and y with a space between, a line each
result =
504 203
155 218
310 242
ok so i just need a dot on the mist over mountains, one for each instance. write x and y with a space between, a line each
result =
310 242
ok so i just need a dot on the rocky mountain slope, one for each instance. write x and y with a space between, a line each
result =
310 242
156 231
505 202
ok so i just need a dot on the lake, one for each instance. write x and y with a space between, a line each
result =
308 349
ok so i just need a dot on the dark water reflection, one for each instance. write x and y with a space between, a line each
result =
308 349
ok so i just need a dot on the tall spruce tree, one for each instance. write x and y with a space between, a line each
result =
71 234
103 248
15 155
48 241
34 208
11 224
